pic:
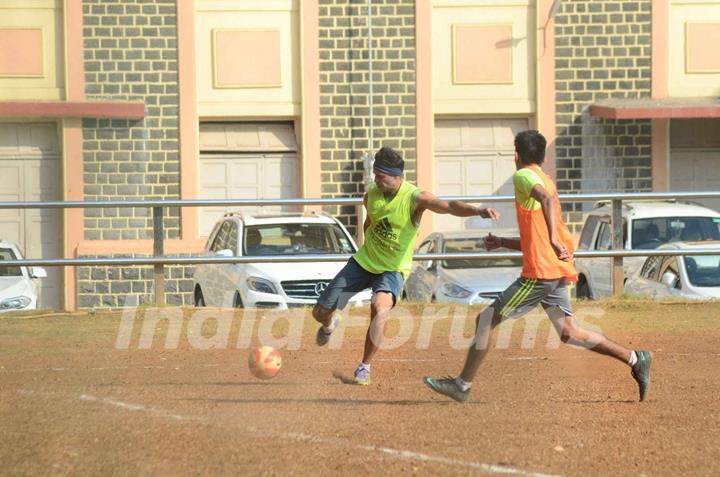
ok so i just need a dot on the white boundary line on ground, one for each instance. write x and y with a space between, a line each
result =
396 453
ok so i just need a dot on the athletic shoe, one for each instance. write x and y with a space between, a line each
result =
322 336
362 376
641 372
448 387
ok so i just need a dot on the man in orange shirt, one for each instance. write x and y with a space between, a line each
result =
547 249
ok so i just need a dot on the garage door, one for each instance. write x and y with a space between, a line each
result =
475 157
695 157
246 161
31 170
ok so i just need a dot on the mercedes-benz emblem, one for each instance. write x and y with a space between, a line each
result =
320 287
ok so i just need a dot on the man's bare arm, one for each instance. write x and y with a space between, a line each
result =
366 224
427 201
547 202
492 242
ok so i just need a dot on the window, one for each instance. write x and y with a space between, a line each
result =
703 270
8 254
651 233
475 245
604 240
232 242
427 247
296 239
222 239
588 232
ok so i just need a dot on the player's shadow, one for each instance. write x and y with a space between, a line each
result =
344 378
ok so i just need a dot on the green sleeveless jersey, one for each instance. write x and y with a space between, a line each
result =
390 239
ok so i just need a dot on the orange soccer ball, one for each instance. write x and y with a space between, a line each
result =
264 362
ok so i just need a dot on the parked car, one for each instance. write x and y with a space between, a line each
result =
689 276
18 290
272 285
646 225
471 281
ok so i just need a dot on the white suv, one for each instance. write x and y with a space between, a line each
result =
646 225
272 285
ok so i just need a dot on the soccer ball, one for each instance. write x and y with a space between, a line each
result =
264 362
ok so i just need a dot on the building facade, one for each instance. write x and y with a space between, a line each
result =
200 99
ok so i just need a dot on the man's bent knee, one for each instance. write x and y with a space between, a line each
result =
320 313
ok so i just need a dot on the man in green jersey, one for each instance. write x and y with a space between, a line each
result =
394 209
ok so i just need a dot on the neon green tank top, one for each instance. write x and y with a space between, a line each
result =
390 239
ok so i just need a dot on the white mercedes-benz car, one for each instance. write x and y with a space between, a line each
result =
18 290
272 285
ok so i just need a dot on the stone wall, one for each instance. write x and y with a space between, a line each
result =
131 54
344 91
602 50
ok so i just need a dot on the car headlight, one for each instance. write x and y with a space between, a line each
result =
261 285
15 303
455 291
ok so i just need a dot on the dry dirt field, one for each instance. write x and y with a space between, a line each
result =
90 394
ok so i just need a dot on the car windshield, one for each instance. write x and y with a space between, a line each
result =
651 233
8 254
470 245
295 239
703 270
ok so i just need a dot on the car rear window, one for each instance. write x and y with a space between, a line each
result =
475 245
651 233
295 239
8 254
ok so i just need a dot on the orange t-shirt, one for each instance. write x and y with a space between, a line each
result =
539 258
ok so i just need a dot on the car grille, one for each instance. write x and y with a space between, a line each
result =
304 289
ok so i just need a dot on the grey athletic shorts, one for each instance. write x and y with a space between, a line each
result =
353 279
525 294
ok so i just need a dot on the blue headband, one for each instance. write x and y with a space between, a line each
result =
393 171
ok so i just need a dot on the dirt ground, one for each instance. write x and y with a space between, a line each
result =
82 395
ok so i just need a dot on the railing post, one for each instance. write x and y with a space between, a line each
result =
158 251
618 275
360 214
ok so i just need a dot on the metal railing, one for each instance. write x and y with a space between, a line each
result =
158 260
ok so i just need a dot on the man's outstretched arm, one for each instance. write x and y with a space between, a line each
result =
493 241
427 201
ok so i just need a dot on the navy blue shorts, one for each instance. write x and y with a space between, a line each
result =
353 279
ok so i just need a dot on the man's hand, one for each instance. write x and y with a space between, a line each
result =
489 213
560 250
492 242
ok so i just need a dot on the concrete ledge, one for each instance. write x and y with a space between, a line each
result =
73 109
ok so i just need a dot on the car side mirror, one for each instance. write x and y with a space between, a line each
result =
226 252
38 272
669 279
431 266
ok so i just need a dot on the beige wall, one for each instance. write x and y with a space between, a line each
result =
32 68
693 56
230 37
483 55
